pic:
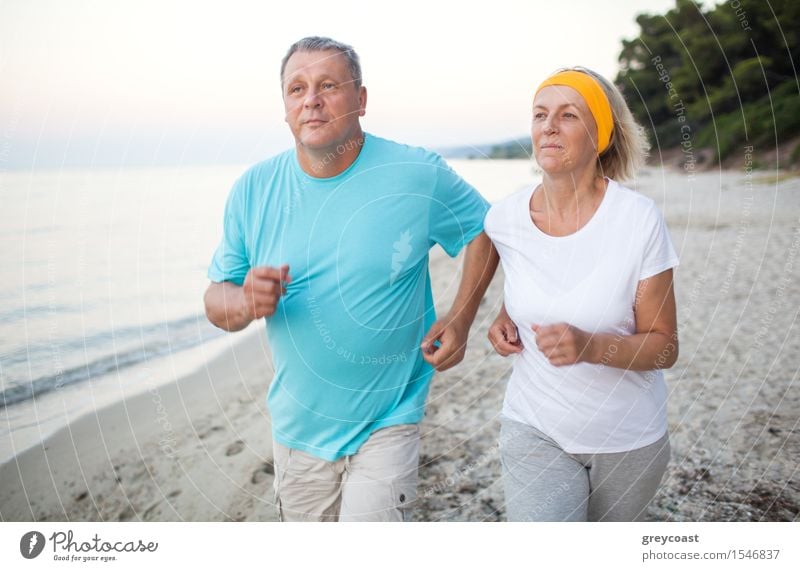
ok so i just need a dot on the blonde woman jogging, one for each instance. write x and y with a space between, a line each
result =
589 312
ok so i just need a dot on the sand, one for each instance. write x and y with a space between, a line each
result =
195 450
200 449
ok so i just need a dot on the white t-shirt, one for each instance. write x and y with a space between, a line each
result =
587 279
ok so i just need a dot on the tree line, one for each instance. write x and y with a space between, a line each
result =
722 78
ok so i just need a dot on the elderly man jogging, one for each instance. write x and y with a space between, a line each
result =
329 242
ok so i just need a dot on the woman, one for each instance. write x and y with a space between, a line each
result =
590 311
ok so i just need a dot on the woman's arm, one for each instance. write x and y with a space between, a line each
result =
503 334
653 346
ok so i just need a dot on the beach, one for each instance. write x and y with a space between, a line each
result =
199 449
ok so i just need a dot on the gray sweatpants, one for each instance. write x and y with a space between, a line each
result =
544 483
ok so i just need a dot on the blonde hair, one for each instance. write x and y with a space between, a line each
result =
629 146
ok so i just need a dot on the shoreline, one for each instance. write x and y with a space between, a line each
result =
91 466
206 430
57 408
199 448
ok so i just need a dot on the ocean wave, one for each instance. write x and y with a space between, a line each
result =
134 345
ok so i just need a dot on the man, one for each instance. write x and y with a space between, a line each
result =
329 242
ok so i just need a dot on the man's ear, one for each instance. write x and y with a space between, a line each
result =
362 101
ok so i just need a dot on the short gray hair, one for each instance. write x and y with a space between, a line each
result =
321 44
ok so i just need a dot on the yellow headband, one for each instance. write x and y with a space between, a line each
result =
595 98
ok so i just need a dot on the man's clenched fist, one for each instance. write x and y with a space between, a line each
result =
262 288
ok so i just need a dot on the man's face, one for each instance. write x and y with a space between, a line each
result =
322 103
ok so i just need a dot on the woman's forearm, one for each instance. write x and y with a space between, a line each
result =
637 352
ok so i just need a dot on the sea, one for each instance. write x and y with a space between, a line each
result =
103 274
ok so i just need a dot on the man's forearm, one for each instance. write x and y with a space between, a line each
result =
225 306
480 264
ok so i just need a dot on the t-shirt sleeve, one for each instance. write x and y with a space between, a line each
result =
659 254
457 210
230 261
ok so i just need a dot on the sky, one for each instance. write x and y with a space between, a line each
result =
137 83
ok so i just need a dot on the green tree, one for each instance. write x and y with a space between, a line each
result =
728 72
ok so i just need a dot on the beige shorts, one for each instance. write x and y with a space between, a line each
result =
378 483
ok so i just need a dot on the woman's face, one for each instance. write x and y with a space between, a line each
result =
563 132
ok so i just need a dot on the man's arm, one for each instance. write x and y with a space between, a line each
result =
232 307
225 306
452 330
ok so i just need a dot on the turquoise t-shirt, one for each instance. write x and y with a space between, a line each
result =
345 337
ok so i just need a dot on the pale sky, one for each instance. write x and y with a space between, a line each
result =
110 83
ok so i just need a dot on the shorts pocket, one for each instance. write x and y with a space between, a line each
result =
404 497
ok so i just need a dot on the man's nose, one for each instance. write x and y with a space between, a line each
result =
312 99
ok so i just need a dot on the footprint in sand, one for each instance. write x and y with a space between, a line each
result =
235 448
148 515
126 514
262 473
210 431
